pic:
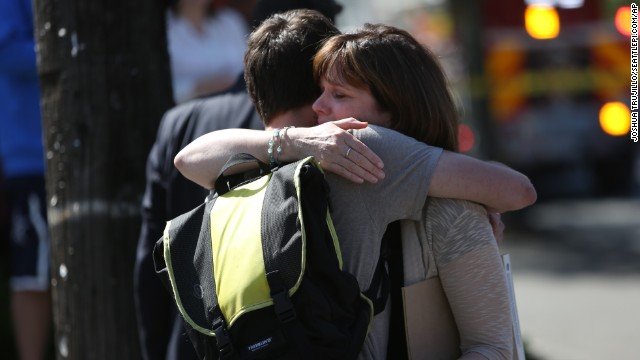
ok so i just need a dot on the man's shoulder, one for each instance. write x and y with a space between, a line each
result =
394 145
185 122
210 106
228 110
224 100
376 133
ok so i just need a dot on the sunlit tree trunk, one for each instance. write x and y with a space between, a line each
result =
105 82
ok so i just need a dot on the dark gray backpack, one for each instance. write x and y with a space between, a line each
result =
256 270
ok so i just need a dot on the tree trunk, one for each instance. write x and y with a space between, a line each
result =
105 82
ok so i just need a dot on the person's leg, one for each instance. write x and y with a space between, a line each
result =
30 295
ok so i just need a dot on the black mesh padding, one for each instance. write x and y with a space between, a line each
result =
203 260
280 226
328 302
191 261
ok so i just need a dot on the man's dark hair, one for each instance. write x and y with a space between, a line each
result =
279 61
265 8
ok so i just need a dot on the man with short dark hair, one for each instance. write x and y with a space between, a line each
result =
168 194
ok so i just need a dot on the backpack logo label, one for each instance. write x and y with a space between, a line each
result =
260 344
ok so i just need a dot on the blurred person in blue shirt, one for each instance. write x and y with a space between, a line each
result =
22 158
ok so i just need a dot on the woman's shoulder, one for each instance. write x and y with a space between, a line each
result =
457 226
454 208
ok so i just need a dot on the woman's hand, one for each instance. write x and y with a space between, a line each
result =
338 151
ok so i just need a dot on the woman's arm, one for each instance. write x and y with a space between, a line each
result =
496 186
202 160
470 270
456 176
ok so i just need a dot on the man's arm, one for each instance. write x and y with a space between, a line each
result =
498 187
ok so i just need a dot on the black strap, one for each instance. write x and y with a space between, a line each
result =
225 183
378 290
223 342
281 302
397 348
285 312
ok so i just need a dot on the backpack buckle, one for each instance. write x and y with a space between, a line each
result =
223 342
283 307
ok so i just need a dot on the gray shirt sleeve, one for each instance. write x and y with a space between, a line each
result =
361 212
468 262
409 166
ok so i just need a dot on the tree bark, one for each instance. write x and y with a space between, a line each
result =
105 82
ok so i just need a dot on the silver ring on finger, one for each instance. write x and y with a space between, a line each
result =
348 152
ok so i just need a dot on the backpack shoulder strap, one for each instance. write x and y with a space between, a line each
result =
397 336
225 182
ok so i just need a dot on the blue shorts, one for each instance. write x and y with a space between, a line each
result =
28 234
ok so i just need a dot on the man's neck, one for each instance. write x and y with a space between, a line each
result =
278 122
299 117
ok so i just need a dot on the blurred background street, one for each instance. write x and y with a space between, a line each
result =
576 269
537 90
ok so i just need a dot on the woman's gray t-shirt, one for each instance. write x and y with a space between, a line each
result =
361 212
